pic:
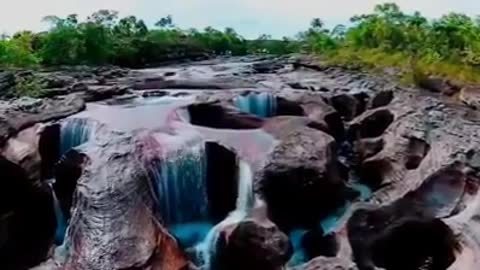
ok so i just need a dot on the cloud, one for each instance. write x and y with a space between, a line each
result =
250 17
27 14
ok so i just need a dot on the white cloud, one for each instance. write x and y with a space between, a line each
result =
27 14
249 17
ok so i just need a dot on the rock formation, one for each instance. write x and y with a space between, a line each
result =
177 139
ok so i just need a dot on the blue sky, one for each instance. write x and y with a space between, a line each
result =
249 17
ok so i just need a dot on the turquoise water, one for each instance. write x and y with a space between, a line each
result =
299 255
206 250
190 234
262 104
62 222
181 187
329 225
74 132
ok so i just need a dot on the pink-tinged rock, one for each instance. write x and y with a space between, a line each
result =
113 223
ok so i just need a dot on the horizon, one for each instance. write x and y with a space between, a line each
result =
277 18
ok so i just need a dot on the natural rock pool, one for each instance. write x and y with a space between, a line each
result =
220 166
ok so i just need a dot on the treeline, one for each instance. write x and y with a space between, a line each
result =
106 39
449 45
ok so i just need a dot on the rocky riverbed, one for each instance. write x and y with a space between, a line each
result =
238 163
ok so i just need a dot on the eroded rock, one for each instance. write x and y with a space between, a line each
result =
25 112
300 181
401 242
113 225
215 115
255 245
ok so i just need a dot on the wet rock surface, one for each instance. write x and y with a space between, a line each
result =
255 245
113 213
317 138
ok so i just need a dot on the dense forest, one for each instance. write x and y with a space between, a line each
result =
447 46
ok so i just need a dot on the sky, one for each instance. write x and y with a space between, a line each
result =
250 18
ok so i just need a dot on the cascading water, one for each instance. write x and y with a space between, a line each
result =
74 132
60 219
328 224
261 104
245 202
182 187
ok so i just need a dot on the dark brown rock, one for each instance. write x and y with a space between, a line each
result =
408 242
317 244
217 116
381 99
300 180
67 172
49 149
27 219
315 107
79 87
346 105
372 124
222 183
257 246
97 93
439 85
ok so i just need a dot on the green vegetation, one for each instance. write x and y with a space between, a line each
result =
448 46
105 39
29 86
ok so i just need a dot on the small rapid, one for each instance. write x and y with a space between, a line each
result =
75 132
181 186
60 219
261 104
206 250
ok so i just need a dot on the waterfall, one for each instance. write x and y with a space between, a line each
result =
182 186
245 202
74 132
246 198
60 219
261 104
299 255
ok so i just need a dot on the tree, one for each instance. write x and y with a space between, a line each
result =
317 23
166 22
104 17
